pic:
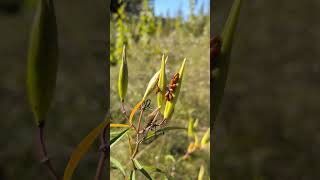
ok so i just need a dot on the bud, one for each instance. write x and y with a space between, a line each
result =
123 76
42 60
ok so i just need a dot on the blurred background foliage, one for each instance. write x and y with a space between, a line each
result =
80 97
147 36
268 128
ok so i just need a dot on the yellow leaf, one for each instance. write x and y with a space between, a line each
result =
82 149
119 125
134 110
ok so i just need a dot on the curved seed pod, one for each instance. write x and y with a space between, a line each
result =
220 71
42 60
152 83
206 138
168 111
162 85
123 76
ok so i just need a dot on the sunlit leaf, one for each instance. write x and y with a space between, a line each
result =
142 169
118 165
133 175
119 125
116 139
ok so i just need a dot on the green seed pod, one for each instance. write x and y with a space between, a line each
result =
123 76
162 85
190 127
206 138
152 84
42 60
220 73
169 109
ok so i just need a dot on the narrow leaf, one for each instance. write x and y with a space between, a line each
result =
142 169
116 139
134 111
119 125
118 165
133 175
82 149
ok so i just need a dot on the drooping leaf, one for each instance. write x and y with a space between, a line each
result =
116 139
118 165
142 169
82 149
134 111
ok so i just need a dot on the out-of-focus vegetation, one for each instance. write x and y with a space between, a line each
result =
268 127
79 103
148 36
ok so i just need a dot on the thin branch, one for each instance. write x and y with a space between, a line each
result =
43 153
138 130
104 154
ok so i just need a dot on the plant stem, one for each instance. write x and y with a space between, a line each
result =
123 110
138 131
104 154
43 153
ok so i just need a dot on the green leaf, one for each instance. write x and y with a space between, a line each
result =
116 139
133 175
118 165
42 60
223 59
82 149
142 169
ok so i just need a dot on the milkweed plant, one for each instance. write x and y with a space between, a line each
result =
142 125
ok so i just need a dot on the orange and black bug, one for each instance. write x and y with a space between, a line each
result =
215 47
172 86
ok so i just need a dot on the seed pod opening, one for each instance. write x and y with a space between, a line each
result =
42 60
169 108
123 76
